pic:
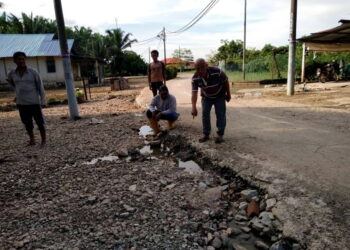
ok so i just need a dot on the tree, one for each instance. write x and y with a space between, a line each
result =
110 47
117 41
183 54
133 64
81 36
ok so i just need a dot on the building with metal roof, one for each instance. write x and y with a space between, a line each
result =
332 40
43 54
31 44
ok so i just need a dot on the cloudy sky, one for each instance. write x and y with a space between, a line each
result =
268 21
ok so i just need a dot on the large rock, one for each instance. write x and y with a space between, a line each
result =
266 219
256 224
216 243
237 246
123 152
239 217
281 245
261 245
212 194
253 208
270 203
243 205
249 194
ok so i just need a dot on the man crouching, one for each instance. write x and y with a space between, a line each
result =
162 107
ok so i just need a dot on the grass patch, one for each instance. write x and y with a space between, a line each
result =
237 76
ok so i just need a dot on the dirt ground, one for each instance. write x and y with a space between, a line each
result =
295 148
328 95
76 193
95 185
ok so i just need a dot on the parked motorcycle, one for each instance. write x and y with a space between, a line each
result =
327 73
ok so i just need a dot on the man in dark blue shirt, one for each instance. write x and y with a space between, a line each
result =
215 90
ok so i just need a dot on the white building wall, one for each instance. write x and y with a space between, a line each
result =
37 63
3 72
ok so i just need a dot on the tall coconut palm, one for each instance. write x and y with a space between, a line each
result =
117 42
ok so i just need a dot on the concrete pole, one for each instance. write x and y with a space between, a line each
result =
164 40
67 68
303 64
292 47
149 55
245 37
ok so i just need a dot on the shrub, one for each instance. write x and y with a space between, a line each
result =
53 101
171 72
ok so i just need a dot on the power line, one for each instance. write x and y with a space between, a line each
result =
146 41
197 18
189 25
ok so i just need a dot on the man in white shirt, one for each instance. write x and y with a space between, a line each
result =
162 107
30 96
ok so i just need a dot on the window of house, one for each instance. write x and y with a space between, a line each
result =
50 63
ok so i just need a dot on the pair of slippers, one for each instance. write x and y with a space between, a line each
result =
218 140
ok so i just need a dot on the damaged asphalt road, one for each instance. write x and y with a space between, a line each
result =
95 186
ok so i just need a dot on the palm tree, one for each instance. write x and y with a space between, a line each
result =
117 42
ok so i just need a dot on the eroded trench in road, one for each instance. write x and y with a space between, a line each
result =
223 210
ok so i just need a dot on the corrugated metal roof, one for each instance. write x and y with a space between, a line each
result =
339 34
31 44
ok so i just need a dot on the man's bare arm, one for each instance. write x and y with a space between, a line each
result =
164 73
194 103
228 91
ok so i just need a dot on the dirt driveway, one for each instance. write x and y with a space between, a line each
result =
297 148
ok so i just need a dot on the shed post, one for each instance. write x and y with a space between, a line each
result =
303 64
67 68
292 48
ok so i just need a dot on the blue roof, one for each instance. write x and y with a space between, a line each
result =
31 44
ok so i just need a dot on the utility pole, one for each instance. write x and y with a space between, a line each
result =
292 47
164 40
67 68
149 55
245 37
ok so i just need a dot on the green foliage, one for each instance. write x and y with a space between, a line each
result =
270 59
183 54
171 72
133 64
110 47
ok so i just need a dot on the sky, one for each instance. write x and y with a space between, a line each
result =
267 21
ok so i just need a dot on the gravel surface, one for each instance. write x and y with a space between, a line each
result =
76 193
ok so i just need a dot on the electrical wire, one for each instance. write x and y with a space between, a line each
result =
186 27
196 19
146 41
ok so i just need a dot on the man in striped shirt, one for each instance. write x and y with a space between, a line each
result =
215 91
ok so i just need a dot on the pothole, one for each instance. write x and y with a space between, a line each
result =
104 158
145 130
190 167
230 214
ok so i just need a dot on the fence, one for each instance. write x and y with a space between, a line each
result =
266 68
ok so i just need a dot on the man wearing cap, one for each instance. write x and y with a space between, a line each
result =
215 91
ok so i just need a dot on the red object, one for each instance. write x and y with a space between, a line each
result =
175 61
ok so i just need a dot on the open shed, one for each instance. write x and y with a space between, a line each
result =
332 40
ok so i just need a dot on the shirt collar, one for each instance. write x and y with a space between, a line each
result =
25 69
